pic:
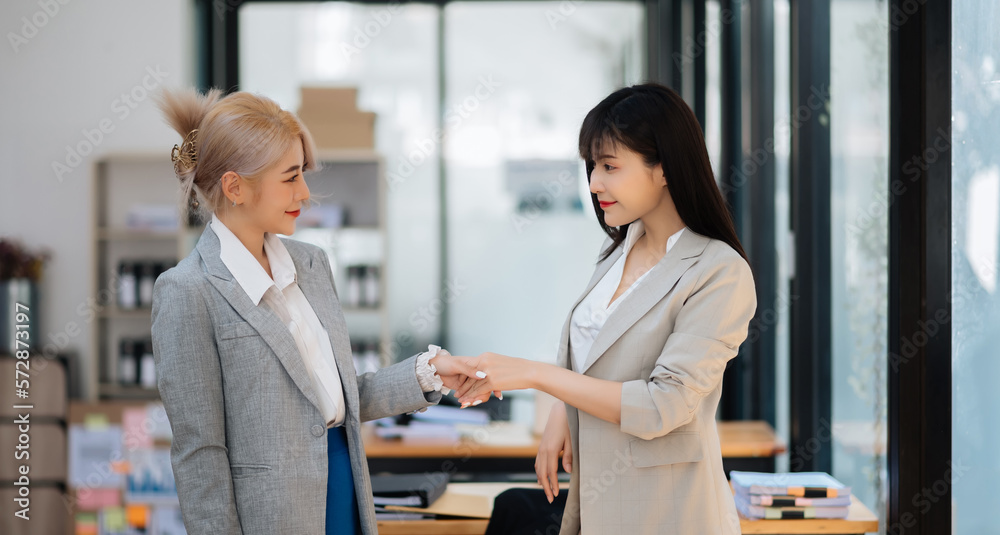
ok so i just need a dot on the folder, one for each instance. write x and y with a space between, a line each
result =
798 484
415 490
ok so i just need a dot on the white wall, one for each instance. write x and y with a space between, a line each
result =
69 76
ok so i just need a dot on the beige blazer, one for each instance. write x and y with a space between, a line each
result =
660 470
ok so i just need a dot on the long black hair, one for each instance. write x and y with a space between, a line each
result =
655 122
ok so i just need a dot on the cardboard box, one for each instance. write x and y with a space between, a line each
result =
328 104
46 387
352 132
47 452
339 99
48 513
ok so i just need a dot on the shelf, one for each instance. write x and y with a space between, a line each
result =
334 230
125 234
353 179
117 313
346 155
116 391
360 310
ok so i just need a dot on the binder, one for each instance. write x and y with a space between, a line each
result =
784 513
416 490
768 500
798 484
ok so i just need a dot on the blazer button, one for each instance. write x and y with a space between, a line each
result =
317 430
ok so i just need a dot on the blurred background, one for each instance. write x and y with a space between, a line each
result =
455 210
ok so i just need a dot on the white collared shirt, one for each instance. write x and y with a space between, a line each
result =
593 311
284 297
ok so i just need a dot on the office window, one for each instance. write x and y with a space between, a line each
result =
859 136
523 237
975 131
390 53
782 213
713 106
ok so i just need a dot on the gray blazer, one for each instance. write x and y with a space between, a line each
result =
660 470
249 449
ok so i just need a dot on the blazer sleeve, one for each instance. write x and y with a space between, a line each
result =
189 377
708 331
391 390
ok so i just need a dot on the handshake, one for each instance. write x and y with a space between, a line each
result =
474 379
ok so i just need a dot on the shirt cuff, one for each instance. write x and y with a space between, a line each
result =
427 374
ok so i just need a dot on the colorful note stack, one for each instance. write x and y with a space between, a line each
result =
793 495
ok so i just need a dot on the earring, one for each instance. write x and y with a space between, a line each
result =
234 203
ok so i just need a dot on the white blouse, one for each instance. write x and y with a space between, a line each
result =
284 297
593 312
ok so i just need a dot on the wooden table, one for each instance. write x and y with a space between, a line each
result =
859 520
745 445
749 446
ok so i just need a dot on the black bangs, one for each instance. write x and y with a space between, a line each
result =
600 132
602 138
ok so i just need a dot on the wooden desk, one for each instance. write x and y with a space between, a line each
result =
748 446
745 445
749 438
432 527
859 520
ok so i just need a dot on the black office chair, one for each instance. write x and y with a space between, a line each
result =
526 512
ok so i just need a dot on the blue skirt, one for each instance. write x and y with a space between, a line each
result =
342 516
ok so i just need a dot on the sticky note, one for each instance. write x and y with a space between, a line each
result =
95 420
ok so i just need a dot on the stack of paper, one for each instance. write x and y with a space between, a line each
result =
793 495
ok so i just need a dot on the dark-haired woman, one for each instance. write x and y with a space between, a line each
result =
645 346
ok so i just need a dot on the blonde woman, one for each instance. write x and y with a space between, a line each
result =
252 353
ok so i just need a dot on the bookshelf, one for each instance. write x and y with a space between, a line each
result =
349 190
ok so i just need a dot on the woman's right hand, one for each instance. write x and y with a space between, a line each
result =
555 441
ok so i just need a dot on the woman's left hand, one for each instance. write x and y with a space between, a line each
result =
502 373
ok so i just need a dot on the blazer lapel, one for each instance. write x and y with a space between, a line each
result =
658 283
313 283
271 329
599 272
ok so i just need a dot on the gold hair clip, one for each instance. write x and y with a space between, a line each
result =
185 155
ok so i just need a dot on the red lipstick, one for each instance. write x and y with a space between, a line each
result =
607 204
295 213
